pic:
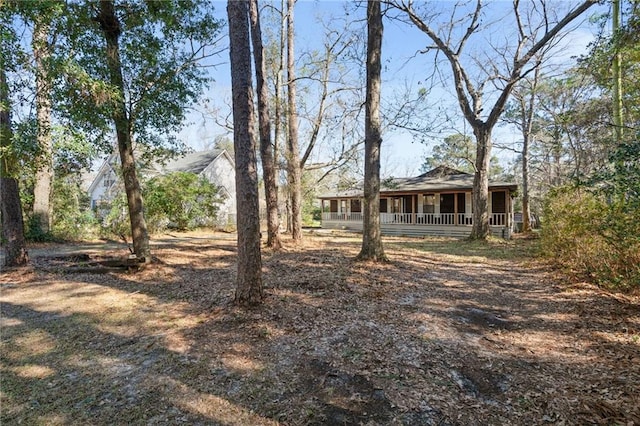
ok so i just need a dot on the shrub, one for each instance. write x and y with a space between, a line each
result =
72 218
116 220
593 236
33 231
182 200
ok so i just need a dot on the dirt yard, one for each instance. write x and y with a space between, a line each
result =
447 333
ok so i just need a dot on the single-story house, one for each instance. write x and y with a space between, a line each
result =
438 202
216 165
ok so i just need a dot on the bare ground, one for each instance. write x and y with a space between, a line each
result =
447 333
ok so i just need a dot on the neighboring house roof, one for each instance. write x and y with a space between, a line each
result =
194 162
437 180
107 165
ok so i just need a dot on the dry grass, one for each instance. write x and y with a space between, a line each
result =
448 332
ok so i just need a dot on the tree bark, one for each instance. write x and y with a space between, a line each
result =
527 130
293 150
10 208
264 125
616 71
249 277
44 175
480 229
526 207
371 236
110 26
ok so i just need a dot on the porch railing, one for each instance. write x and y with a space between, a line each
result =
461 219
348 217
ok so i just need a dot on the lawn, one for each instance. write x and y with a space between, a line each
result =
448 332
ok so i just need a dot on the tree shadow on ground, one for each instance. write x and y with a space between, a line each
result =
419 340
62 369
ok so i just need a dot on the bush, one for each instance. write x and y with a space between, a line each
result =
34 233
72 218
176 200
181 200
116 220
593 236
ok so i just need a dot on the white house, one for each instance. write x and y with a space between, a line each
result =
216 165
438 202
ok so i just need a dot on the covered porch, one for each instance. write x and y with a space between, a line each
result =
437 213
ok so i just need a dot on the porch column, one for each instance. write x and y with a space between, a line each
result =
413 209
455 208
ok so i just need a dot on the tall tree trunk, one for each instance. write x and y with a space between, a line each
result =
15 250
616 70
44 174
249 277
111 29
526 207
278 120
293 150
371 236
527 130
266 149
480 229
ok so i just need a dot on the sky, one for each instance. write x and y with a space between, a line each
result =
402 66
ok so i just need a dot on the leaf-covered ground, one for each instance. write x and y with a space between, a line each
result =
447 333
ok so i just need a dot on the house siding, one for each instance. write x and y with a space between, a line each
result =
221 172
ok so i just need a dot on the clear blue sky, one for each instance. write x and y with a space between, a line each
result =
401 156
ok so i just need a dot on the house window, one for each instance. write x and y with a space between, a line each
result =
429 202
108 182
333 206
356 206
397 205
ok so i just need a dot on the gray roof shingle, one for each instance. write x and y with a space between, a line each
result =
194 162
437 180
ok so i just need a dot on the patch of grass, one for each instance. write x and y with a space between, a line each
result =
493 248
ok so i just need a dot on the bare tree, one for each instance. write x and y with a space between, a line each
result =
336 94
537 29
10 207
264 124
293 151
523 117
249 277
371 236
110 26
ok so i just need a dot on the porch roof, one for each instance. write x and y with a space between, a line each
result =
440 179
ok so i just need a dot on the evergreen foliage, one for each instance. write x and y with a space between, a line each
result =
182 200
